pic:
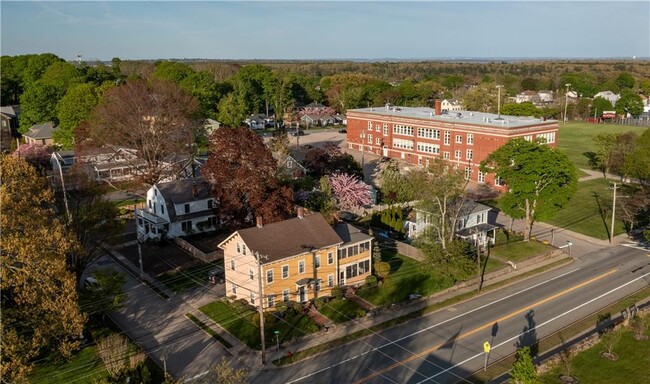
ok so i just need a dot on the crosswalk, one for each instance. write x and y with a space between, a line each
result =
638 245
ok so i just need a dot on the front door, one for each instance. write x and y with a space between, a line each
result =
385 150
301 294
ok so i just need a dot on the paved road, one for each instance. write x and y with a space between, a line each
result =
447 345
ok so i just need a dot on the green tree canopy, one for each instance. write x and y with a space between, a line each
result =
630 103
540 179
625 80
637 163
38 105
600 104
75 107
521 109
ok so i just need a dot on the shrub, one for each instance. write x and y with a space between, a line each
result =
337 292
523 370
371 281
382 269
319 302
361 312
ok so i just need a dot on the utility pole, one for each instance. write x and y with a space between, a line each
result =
499 101
566 101
611 229
65 195
261 310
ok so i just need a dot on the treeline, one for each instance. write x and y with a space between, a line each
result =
50 89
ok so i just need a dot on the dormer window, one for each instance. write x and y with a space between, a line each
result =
210 204
187 208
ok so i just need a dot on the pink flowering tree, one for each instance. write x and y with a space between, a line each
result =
349 191
35 154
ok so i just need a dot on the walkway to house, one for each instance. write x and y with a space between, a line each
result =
316 316
350 295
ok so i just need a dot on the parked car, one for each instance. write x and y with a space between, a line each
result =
383 159
343 130
216 275
298 133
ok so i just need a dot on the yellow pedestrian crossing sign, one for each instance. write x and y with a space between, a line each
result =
486 347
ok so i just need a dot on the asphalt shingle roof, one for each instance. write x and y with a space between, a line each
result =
290 237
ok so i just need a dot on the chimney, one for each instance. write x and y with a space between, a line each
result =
301 212
195 190
258 221
438 107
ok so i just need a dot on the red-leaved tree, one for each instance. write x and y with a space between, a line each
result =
37 155
241 171
349 191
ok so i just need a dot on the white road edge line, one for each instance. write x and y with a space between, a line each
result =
538 326
433 326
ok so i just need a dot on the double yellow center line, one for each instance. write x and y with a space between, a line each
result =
485 326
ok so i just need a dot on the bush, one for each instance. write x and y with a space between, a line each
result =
382 269
371 281
361 312
319 302
337 292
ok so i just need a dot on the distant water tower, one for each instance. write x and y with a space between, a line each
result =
78 58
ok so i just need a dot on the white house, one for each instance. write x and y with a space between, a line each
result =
472 224
608 95
451 105
177 208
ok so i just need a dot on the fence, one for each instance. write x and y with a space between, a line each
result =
195 252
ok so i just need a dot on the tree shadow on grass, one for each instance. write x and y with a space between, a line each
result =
602 213
592 159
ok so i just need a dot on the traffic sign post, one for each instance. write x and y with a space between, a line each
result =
486 349
277 339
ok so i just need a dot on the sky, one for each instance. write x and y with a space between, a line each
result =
101 30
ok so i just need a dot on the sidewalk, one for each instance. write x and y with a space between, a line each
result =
385 315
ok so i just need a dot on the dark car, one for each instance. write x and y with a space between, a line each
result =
298 133
384 159
216 275
343 130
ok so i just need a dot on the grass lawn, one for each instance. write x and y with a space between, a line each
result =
181 280
589 367
576 139
86 364
406 277
513 248
339 310
589 211
240 324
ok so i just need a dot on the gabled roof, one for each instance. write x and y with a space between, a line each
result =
8 111
181 191
350 234
289 237
314 105
473 207
41 131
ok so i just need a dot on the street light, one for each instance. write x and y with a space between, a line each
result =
261 310
362 136
611 229
566 100
499 101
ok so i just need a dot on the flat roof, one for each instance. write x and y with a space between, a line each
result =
468 117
